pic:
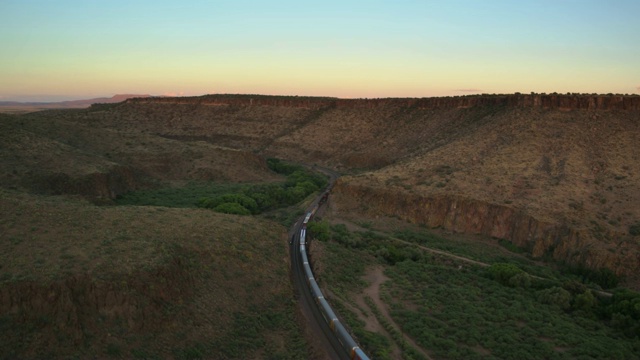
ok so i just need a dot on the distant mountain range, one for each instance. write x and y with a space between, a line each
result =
70 104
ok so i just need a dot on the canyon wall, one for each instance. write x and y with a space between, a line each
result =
464 215
70 312
547 101
99 186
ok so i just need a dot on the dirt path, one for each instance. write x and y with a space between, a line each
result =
353 227
376 278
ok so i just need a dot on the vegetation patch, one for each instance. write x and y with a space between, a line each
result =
177 197
143 282
239 199
456 309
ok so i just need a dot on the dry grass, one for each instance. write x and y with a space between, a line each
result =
575 166
579 168
169 281
40 149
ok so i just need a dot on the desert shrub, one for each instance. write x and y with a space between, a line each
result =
503 272
307 186
356 240
294 194
300 183
520 280
624 312
585 301
281 167
392 254
555 296
245 201
604 277
634 229
574 287
319 230
188 196
232 208
267 196
256 198
339 233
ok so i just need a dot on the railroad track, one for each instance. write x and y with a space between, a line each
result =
332 335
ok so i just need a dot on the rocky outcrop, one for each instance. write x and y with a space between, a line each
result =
547 101
97 186
82 307
241 100
540 237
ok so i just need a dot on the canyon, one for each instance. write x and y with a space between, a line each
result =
555 175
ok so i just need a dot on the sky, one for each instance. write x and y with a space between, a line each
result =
61 50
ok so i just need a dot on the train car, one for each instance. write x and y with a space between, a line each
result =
343 336
358 354
303 236
330 317
306 220
309 275
328 313
315 290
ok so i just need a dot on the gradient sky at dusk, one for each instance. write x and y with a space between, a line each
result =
55 50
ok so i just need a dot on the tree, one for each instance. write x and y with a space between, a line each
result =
319 230
240 199
520 280
585 301
503 272
555 296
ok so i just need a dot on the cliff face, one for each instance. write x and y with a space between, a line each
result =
343 133
81 306
547 101
545 171
465 215
97 186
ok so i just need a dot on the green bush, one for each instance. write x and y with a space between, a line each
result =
585 301
555 296
300 183
245 201
520 280
319 230
574 287
232 208
281 167
503 272
624 312
634 229
604 277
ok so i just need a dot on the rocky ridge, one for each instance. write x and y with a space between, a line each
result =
562 169
547 101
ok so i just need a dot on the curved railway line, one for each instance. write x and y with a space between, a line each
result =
337 341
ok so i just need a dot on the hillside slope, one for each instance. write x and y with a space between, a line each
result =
555 174
563 184
49 153
78 280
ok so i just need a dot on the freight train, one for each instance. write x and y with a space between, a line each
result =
329 316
